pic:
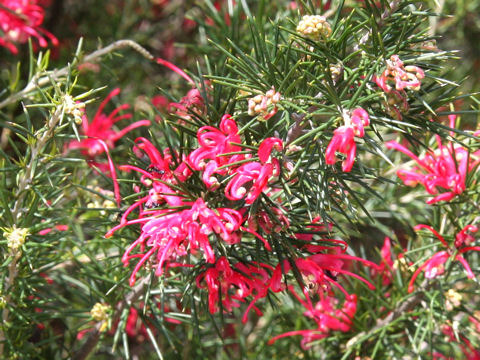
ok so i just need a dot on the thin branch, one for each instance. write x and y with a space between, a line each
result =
17 210
400 310
42 79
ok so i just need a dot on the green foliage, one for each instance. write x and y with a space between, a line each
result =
51 282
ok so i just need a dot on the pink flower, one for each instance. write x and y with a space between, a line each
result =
255 176
399 75
327 317
320 271
386 264
342 141
172 234
213 143
266 147
464 237
446 168
250 180
434 266
343 138
100 128
21 20
234 284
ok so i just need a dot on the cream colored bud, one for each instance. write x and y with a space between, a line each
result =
100 312
73 108
259 104
315 27
453 299
15 238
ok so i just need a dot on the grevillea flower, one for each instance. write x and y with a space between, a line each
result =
327 317
259 104
434 266
171 234
21 20
445 168
234 284
213 143
101 128
343 139
387 263
252 178
399 75
468 350
320 271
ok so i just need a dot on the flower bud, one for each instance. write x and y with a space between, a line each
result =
314 27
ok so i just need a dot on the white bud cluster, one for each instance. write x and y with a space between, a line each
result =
100 311
315 27
73 108
15 239
453 299
258 105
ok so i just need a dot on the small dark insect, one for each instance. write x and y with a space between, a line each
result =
330 275
154 169
151 204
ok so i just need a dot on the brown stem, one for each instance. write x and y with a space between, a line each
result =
38 80
404 307
17 210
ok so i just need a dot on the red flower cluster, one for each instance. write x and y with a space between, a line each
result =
170 232
434 266
394 80
100 128
174 225
343 139
403 77
327 316
21 20
446 168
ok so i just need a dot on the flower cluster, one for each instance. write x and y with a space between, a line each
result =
435 265
15 239
21 20
394 80
259 104
171 233
328 318
101 127
175 224
315 27
235 284
343 139
444 168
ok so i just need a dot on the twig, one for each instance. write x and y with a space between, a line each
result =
94 336
38 80
17 210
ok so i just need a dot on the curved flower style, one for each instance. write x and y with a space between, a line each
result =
21 20
215 142
254 174
320 271
100 128
446 168
401 76
235 284
172 235
343 139
327 317
434 266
